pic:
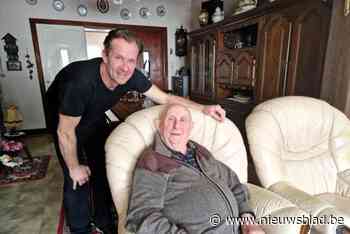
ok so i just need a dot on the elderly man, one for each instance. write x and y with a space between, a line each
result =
178 187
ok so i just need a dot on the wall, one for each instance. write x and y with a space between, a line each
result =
336 79
18 89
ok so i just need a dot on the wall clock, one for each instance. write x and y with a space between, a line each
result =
180 42
58 5
161 11
125 14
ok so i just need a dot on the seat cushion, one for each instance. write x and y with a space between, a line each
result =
340 202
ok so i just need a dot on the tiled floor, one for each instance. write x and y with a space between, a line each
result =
33 207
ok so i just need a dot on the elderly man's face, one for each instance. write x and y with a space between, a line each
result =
175 127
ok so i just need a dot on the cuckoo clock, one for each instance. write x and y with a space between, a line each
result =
180 42
12 53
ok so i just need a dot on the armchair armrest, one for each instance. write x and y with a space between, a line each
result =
343 183
313 205
267 205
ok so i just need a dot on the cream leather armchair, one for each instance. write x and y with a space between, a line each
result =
301 150
129 139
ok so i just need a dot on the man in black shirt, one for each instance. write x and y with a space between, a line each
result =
77 100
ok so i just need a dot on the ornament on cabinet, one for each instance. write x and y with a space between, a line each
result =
218 15
245 5
203 17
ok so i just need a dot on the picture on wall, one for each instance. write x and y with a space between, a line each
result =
14 65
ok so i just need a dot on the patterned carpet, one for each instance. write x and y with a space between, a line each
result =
30 170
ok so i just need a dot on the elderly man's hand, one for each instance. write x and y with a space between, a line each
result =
215 111
252 228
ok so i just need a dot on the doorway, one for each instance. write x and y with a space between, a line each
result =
91 34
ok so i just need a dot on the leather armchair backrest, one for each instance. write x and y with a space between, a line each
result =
301 140
129 139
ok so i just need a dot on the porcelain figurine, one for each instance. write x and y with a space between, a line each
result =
218 15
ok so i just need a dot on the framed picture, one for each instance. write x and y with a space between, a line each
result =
14 65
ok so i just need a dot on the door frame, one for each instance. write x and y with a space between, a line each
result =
34 21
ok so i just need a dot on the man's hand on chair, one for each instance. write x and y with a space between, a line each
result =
80 175
215 111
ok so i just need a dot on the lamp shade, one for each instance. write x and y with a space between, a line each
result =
12 118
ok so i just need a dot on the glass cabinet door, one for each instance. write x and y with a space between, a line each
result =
203 67
209 57
195 69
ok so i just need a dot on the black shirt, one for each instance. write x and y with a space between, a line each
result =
78 90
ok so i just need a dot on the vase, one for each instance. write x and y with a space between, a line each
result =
203 17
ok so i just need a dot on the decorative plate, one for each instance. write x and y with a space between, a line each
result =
103 6
125 14
32 2
82 10
161 11
117 2
58 5
144 12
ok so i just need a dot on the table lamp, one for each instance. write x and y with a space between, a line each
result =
12 120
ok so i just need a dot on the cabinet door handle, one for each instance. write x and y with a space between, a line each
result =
232 72
253 72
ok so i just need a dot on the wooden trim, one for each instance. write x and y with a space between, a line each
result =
40 72
90 24
34 21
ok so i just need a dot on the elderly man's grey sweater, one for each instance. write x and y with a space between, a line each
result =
170 196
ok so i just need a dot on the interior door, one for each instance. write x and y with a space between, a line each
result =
153 44
59 45
52 49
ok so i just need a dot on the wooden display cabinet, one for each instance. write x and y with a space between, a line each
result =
275 50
